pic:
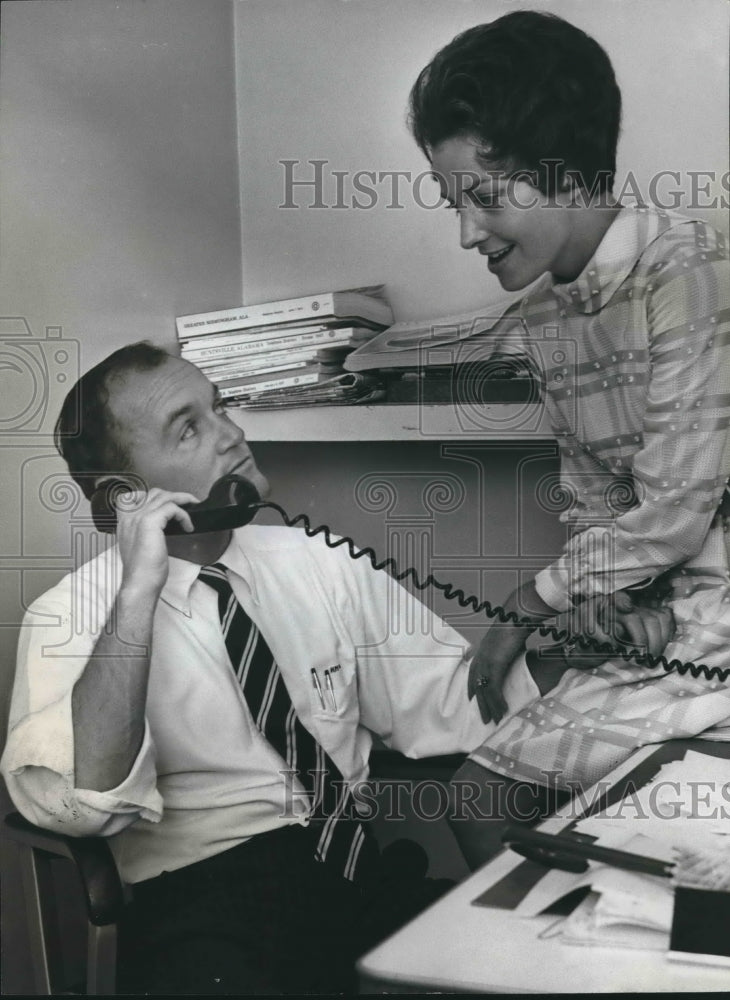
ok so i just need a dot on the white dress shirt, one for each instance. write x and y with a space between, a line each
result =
205 779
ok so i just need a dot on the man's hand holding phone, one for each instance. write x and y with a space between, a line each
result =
141 522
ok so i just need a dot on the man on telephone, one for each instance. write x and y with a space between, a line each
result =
207 701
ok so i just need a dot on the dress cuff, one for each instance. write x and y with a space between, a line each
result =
551 585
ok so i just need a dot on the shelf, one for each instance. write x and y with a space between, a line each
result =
393 422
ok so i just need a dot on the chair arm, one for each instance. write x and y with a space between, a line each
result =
102 888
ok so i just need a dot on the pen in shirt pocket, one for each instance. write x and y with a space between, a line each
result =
330 688
318 687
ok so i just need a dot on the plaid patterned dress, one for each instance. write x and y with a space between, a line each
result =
635 355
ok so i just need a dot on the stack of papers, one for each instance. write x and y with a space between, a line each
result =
682 816
623 910
687 805
340 390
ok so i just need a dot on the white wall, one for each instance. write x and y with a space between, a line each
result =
329 80
119 205
119 193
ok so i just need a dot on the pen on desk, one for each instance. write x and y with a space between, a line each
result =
331 689
557 851
318 687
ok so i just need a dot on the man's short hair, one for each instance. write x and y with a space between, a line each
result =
98 445
533 89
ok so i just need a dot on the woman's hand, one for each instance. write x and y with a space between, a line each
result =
623 620
500 646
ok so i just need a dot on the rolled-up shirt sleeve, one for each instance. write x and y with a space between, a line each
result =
38 760
681 470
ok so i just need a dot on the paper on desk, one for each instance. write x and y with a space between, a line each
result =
685 808
687 805
684 811
585 926
624 909
632 898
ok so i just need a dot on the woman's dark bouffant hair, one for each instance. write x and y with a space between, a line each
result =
531 88
86 434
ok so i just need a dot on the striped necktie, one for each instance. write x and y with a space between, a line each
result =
340 840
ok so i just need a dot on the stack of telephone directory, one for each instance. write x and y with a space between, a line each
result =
288 352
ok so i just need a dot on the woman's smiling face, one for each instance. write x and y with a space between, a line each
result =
520 231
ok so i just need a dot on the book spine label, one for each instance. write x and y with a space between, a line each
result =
286 311
252 374
233 392
258 362
262 345
255 333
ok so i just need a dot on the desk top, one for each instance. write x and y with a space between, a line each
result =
456 946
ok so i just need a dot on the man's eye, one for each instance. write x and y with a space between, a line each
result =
220 406
188 431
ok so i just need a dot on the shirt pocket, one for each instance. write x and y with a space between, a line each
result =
334 690
335 705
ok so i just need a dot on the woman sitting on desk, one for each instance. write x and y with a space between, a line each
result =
519 119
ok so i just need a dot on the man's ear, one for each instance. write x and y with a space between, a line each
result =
108 488
99 481
114 481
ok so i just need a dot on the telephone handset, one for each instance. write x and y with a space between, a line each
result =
231 503
234 501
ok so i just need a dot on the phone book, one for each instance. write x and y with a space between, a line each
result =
242 388
257 363
245 345
254 333
229 378
366 306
